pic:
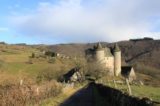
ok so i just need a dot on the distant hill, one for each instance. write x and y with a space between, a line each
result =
144 51
143 54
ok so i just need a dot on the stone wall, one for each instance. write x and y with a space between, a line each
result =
118 98
109 63
117 63
100 55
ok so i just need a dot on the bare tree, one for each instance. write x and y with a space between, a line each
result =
96 70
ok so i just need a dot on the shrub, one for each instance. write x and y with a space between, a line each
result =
29 61
50 53
147 70
52 60
47 75
96 70
15 95
33 55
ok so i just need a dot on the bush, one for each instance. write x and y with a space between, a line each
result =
47 75
29 61
50 53
96 70
151 71
1 63
52 60
15 95
33 55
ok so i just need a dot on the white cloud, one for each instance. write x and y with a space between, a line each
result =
90 20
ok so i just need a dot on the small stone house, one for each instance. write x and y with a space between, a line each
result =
73 75
128 72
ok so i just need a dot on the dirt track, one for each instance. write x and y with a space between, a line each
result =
100 95
83 97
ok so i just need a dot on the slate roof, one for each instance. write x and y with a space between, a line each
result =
71 72
99 46
107 52
125 70
116 48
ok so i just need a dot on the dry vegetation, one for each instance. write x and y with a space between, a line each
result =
143 54
27 94
23 83
39 76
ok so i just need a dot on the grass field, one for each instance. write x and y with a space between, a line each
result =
56 101
17 62
140 90
13 62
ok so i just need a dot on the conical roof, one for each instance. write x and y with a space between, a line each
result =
108 52
116 48
99 46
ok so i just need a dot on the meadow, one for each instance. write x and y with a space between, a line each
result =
16 65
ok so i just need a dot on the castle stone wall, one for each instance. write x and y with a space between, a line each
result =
100 55
109 62
117 63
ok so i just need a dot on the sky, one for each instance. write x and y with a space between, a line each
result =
78 21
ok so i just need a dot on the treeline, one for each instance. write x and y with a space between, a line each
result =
142 39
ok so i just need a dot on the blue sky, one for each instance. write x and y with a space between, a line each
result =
65 21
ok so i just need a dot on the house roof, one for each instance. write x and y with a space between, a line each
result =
71 72
125 70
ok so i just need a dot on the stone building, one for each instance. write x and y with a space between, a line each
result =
109 58
73 75
128 72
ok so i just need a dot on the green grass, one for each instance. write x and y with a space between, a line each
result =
13 62
56 101
141 91
147 91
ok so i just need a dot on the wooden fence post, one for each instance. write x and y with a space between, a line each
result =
37 90
114 83
108 83
129 88
21 82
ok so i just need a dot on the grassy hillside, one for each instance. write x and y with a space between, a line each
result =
132 51
16 64
142 54
16 59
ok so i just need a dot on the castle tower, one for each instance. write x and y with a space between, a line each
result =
99 53
117 60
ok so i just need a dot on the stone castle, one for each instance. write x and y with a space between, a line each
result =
111 59
108 58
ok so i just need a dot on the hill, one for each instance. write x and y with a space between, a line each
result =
143 54
18 66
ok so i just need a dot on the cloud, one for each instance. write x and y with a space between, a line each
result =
90 20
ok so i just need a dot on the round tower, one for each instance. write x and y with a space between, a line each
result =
117 60
99 53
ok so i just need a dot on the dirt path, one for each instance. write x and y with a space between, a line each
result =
83 97
100 95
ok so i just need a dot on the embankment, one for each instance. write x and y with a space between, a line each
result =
106 95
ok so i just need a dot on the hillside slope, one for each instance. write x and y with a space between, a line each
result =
144 55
